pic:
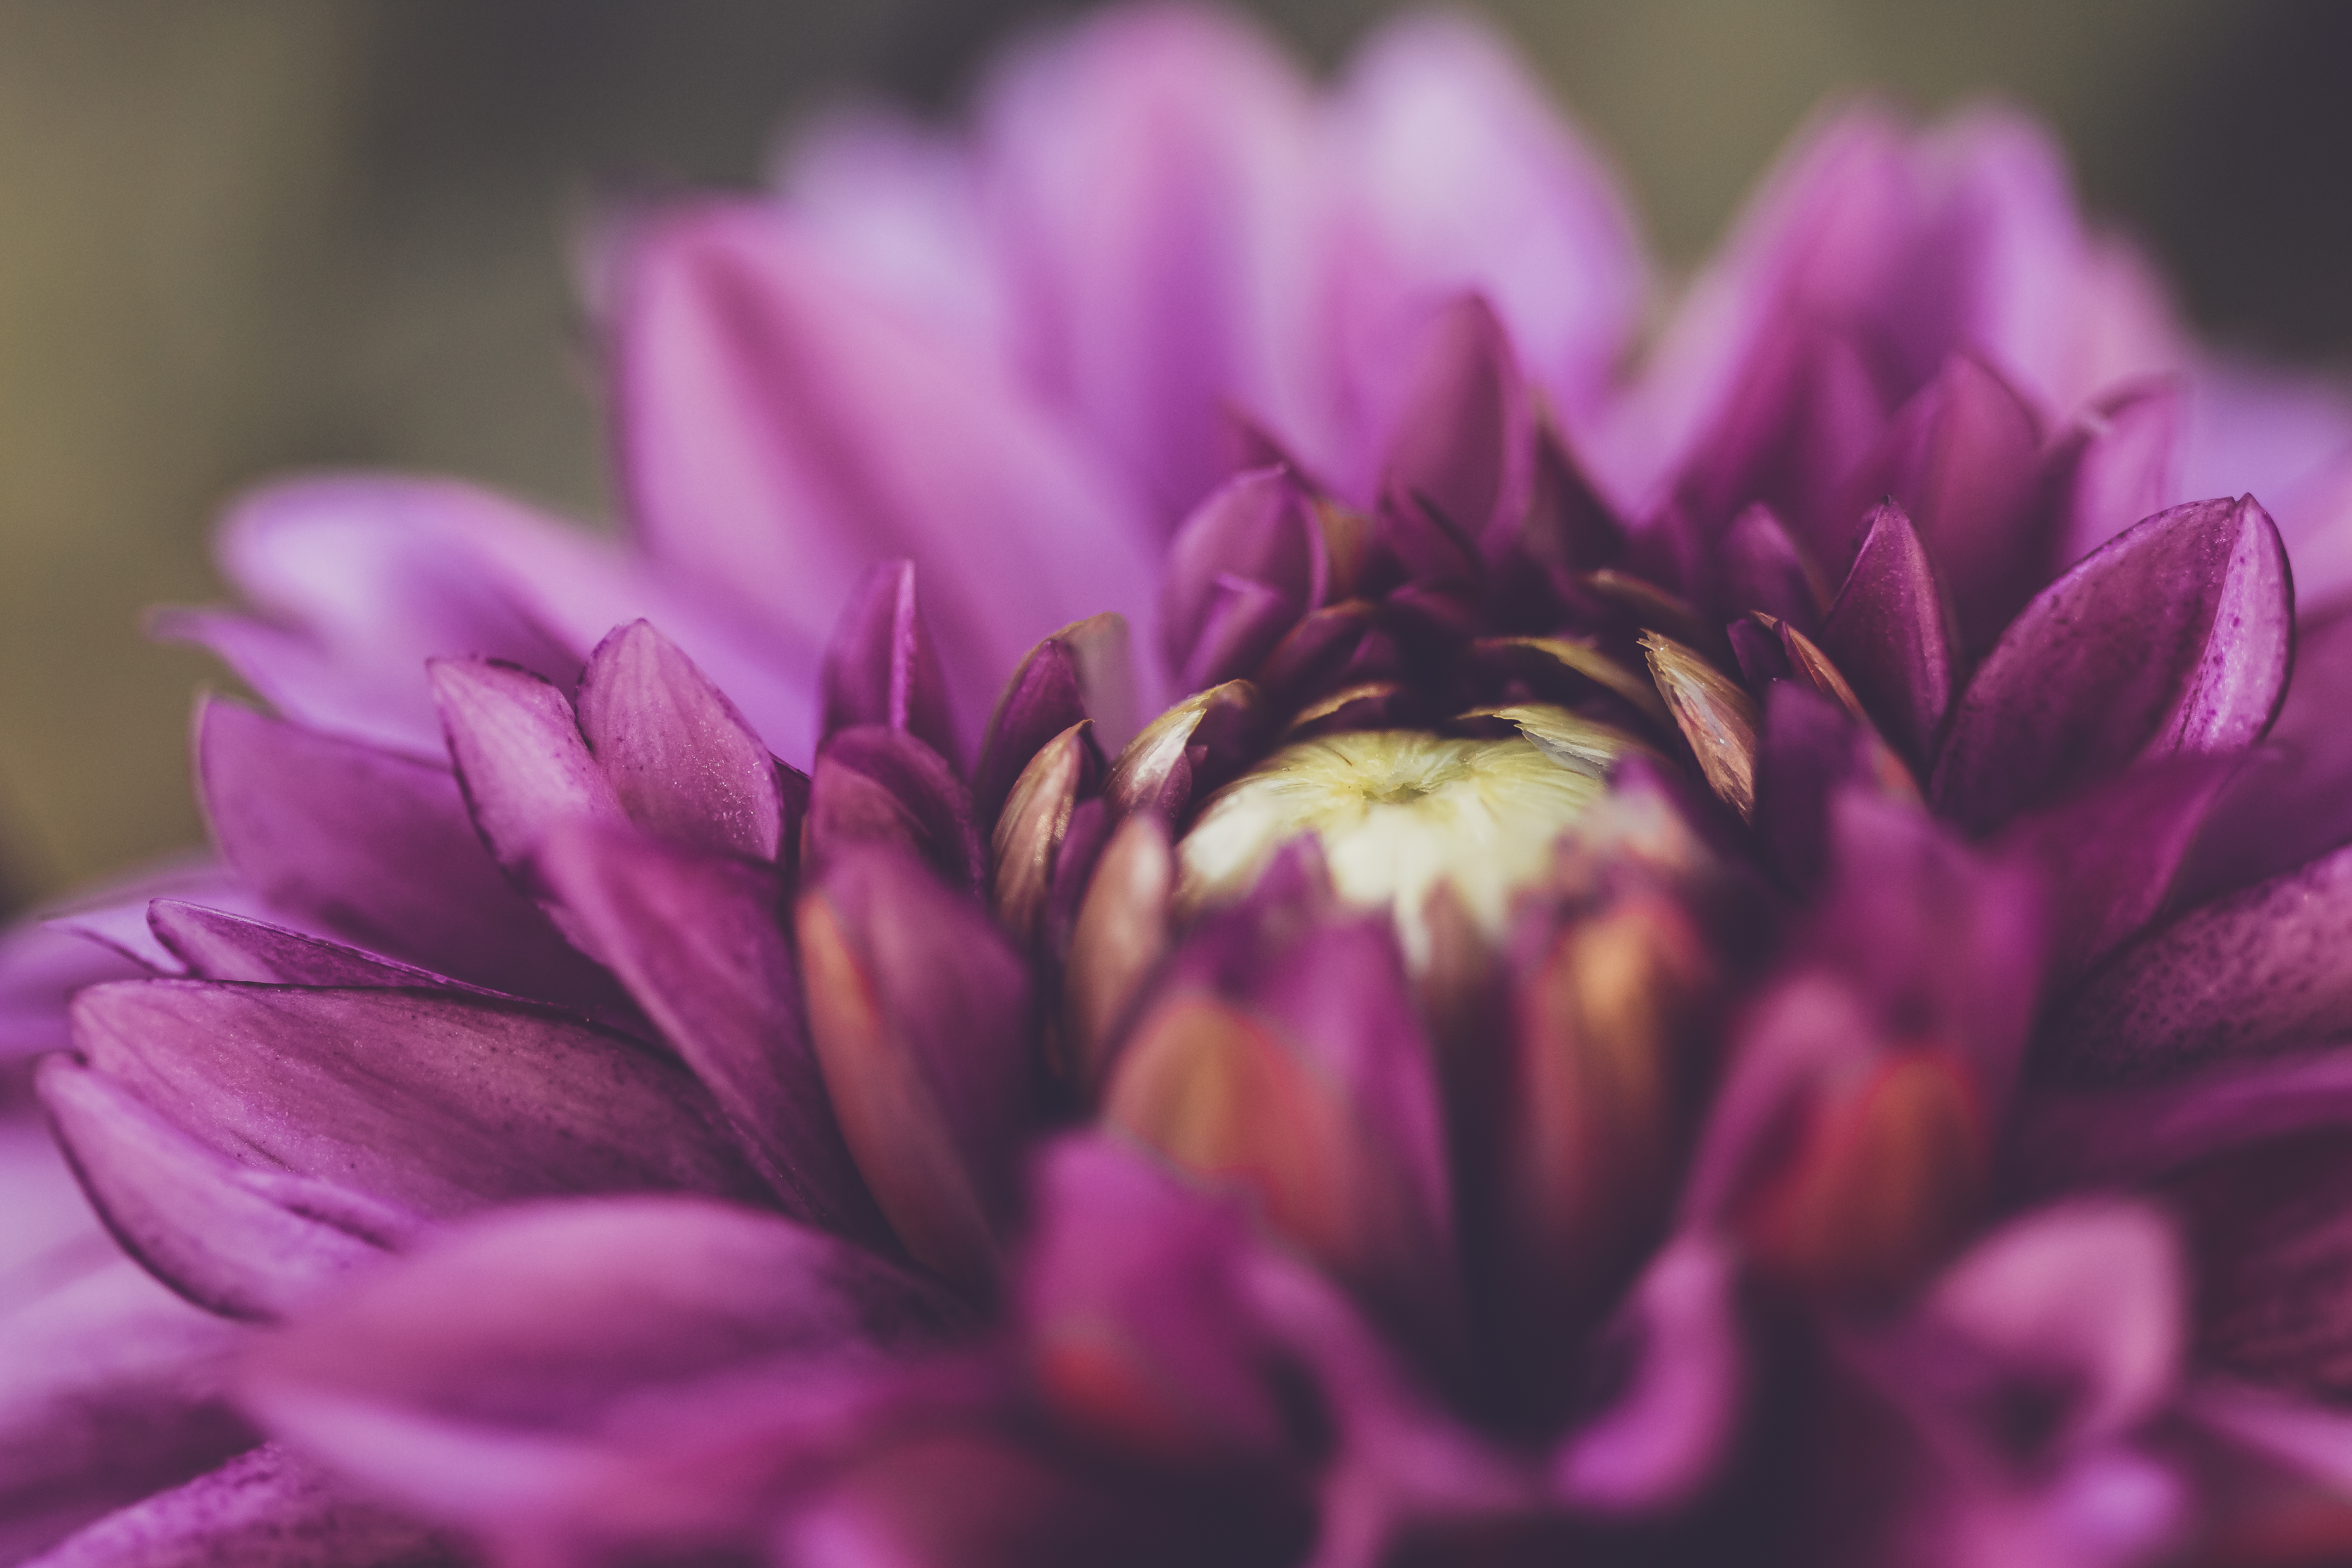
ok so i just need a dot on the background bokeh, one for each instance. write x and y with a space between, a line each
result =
246 235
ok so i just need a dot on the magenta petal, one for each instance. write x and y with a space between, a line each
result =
920 1011
1662 1440
1758 567
243 1241
2105 1137
519 755
878 786
1963 460
1252 540
2174 639
698 942
215 944
1464 439
2249 975
881 667
2107 853
1890 633
426 1101
679 758
781 431
111 1387
265 1509
1082 671
2292 799
2114 465
651 1367
380 849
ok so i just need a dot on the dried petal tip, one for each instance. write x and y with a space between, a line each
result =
1715 717
1186 751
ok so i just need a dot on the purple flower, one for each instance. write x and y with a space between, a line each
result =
1741 957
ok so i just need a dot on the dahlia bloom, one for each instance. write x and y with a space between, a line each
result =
1399 943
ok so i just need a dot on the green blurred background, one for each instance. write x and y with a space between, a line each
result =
243 235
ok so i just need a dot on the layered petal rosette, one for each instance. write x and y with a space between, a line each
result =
1395 933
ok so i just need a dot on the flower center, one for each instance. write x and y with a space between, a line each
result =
1398 811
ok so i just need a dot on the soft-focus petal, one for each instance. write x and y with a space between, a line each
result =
1890 632
881 667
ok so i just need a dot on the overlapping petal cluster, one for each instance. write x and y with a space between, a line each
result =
1414 932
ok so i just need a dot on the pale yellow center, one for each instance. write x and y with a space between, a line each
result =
1396 812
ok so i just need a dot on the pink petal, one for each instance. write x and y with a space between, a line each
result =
881 667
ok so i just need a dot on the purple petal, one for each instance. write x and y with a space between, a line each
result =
1464 439
1666 1434
1811 751
111 1387
1152 174
1963 460
380 849
881 669
1758 567
1282 1052
265 1509
426 1101
919 1011
237 1240
1082 671
1029 833
2114 465
1187 752
2290 801
1891 634
681 759
642 1371
781 431
698 942
2173 640
876 786
215 944
1242 570
1716 718
1123 931
1468 179
2246 975
2107 854
2105 1137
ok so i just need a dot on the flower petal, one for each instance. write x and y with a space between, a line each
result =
1083 671
110 1387
1254 531
878 787
650 1370
234 1239
265 1508
881 667
1715 717
1124 928
1758 567
681 759
919 1011
428 1100
1029 833
2114 464
1891 633
378 847
215 944
781 431
698 940
1463 440
2246 975
2174 639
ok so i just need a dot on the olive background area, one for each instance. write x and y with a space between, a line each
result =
243 237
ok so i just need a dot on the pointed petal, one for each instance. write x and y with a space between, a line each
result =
380 849
1890 633
265 1508
1030 831
679 758
430 1101
1464 439
1812 751
700 941
1187 752
2174 639
234 1239
215 944
1255 532
2135 1133
881 667
781 431
1963 460
878 786
654 1368
1123 931
1083 671
2114 464
1759 567
919 1011
1716 718
2249 975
